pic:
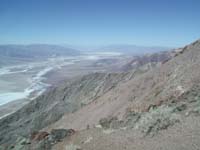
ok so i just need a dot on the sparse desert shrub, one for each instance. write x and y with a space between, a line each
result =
107 122
73 147
157 119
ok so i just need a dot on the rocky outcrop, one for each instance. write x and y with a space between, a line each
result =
38 136
40 140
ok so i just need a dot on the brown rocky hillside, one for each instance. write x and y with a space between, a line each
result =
157 108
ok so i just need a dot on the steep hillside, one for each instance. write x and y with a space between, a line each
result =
149 103
145 103
148 60
54 103
66 98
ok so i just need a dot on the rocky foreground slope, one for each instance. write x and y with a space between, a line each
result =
159 109
155 109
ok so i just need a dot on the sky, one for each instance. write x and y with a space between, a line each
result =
171 23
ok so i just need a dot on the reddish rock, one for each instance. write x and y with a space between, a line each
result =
38 136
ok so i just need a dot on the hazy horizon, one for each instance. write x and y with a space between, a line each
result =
172 23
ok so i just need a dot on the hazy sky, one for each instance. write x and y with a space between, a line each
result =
100 22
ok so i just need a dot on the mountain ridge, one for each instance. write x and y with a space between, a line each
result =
146 102
12 54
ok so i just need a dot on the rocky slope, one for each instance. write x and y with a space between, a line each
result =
145 103
134 62
49 107
66 98
164 100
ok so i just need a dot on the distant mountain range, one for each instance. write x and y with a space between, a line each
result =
133 49
122 48
10 54
35 50
15 54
